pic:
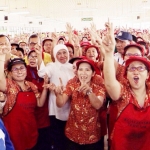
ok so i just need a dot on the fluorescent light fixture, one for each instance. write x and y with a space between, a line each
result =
3 7
37 16
146 7
86 9
19 12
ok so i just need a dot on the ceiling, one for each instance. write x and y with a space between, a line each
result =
53 14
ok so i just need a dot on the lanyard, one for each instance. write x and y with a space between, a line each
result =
34 76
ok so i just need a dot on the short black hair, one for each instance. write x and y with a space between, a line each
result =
30 53
33 36
46 40
15 44
20 49
2 35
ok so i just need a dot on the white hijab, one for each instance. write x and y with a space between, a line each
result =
60 47
66 67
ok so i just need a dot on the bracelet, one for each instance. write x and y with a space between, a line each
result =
89 92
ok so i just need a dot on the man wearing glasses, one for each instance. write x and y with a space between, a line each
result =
33 44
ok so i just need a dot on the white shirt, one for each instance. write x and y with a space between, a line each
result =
2 140
55 71
118 58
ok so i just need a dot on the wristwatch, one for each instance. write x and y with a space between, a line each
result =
89 91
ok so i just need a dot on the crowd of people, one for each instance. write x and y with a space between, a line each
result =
68 91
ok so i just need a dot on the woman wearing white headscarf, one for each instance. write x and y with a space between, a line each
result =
62 70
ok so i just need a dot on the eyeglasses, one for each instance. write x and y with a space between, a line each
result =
130 54
47 44
32 57
32 44
4 44
16 70
140 69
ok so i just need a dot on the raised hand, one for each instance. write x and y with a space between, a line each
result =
51 86
109 40
69 28
46 79
59 89
84 88
54 37
61 85
38 49
75 39
93 27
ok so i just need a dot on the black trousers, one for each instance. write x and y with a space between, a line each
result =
43 142
57 134
75 146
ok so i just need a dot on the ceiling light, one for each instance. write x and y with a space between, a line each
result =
146 7
86 9
19 12
3 7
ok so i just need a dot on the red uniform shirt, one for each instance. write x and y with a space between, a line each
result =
83 125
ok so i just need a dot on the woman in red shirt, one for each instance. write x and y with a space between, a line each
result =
132 125
83 128
22 98
41 113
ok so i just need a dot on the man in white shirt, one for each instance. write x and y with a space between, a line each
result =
122 40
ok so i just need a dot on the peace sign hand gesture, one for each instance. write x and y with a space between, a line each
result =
59 89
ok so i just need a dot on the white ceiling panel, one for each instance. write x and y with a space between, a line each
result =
58 12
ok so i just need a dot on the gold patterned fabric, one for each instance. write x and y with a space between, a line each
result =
83 125
125 96
12 89
120 74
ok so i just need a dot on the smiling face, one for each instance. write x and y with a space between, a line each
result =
48 45
137 78
70 52
62 56
74 67
32 59
85 72
19 54
5 44
13 50
92 53
18 72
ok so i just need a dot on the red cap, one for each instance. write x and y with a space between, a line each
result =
136 58
134 45
85 44
95 48
142 43
69 45
90 62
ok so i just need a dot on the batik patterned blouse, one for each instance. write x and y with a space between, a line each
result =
83 125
